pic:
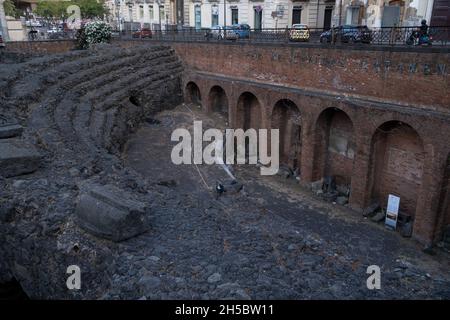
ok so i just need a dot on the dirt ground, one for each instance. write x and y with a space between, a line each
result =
272 240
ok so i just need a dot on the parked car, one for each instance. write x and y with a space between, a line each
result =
242 30
220 32
143 33
348 34
299 32
2 44
216 32
33 23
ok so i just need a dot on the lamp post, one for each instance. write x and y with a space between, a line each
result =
119 23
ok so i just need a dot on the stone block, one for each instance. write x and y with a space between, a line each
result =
371 210
341 200
317 185
10 130
17 158
110 213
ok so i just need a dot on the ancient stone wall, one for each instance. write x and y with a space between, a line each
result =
75 110
406 76
357 164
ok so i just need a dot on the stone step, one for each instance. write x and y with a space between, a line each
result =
117 70
9 130
140 80
111 213
99 94
17 158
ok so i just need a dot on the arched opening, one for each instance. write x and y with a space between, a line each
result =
248 112
193 93
248 116
219 101
397 156
443 224
134 100
334 150
286 118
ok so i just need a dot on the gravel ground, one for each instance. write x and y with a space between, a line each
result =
273 240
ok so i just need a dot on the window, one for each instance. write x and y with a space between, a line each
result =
130 13
258 12
198 17
141 12
150 12
296 15
161 13
214 15
234 16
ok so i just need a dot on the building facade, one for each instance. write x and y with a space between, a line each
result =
207 13
272 13
382 13
261 14
153 14
440 15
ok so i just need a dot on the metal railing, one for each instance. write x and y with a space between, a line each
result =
394 36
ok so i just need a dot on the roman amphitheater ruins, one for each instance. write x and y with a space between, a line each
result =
86 177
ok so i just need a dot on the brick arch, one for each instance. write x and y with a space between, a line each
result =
248 111
286 117
443 221
218 101
420 127
397 158
193 93
334 147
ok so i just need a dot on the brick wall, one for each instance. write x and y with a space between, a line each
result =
370 87
418 77
398 169
49 46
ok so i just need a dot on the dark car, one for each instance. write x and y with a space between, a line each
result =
242 30
348 34
143 33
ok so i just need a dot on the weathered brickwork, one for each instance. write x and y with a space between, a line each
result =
49 46
405 77
378 121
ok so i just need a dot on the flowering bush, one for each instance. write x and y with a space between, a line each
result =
94 32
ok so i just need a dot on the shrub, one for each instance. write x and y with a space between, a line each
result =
93 32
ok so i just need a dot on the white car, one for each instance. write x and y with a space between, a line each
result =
217 32
33 23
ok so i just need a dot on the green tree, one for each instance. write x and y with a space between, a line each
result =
50 10
89 9
10 8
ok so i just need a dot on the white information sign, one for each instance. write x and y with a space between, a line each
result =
392 211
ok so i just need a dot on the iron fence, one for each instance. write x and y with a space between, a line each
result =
376 36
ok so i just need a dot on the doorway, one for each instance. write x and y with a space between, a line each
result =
296 15
258 17
327 18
